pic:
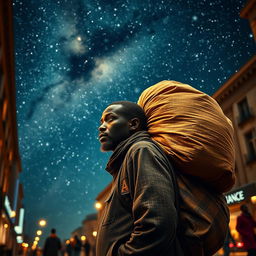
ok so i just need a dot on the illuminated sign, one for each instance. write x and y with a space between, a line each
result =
8 207
235 197
19 229
19 239
241 194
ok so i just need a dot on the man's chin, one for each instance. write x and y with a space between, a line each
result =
105 147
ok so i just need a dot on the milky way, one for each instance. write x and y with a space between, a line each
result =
73 58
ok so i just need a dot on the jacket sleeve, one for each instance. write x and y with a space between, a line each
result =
153 210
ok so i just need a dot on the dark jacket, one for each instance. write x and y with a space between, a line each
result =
245 226
52 246
146 227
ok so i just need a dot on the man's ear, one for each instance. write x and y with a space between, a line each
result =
134 124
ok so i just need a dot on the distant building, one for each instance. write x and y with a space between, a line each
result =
11 191
90 231
249 12
237 98
87 232
77 232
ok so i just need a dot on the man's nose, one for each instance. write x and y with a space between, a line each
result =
102 127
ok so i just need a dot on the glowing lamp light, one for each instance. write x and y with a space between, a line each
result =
231 245
19 240
42 223
94 233
37 238
6 225
83 238
39 232
25 245
13 214
240 244
67 242
98 205
79 38
253 199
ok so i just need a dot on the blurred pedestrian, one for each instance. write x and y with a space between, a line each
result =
34 252
229 238
52 244
245 226
77 246
69 248
87 248
63 248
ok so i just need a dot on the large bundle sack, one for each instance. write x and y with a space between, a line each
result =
193 130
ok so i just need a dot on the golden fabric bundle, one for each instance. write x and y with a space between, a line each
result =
192 129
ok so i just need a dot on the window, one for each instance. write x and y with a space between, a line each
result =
2 95
1 89
4 109
1 76
1 171
250 139
244 111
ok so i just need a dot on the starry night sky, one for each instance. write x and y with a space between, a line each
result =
74 57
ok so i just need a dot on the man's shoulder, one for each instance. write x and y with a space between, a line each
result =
142 144
146 145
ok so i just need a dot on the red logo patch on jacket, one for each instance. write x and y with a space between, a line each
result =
124 187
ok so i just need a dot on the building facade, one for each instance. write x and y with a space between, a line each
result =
11 191
237 98
87 233
90 232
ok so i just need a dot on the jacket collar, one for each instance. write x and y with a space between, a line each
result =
116 159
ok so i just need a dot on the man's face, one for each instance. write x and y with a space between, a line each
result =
114 128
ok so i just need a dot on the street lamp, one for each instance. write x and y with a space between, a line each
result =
42 223
39 232
25 245
98 205
94 233
253 199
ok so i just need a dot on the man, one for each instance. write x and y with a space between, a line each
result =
245 226
77 246
139 217
87 248
52 244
